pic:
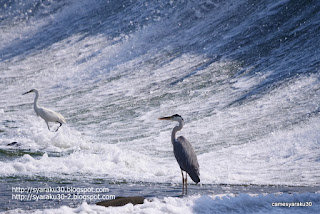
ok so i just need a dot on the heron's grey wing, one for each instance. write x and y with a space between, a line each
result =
186 157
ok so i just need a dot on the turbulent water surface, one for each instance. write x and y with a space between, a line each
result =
243 74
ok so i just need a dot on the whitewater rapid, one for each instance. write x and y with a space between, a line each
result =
243 75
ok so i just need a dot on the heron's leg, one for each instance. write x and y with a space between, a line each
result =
186 183
59 126
182 182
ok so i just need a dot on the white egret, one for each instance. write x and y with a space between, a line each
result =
184 153
47 114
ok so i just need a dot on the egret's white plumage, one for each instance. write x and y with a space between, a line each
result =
47 114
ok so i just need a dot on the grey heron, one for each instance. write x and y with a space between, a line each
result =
184 153
47 114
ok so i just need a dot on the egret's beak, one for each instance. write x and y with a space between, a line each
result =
27 92
165 118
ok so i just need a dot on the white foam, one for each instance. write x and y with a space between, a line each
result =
268 161
35 136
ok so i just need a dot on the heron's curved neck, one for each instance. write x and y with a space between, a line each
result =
35 104
175 130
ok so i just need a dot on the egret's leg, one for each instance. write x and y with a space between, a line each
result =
182 183
59 126
48 125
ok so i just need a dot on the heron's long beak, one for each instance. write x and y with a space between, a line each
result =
27 92
165 118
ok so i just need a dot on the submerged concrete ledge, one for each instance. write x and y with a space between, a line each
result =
121 201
